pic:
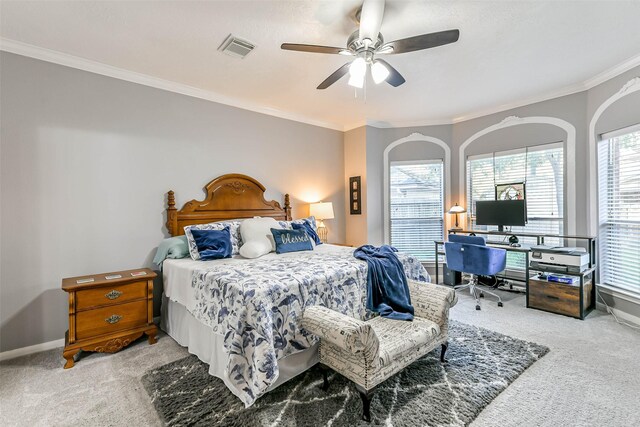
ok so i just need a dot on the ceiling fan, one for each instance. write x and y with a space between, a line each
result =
367 42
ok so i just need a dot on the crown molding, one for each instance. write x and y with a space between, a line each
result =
612 72
48 55
67 60
354 125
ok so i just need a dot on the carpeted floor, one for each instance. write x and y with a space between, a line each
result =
480 364
589 377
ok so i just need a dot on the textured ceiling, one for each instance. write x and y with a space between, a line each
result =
508 50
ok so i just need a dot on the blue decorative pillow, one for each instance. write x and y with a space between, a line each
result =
213 244
291 240
234 229
306 226
311 220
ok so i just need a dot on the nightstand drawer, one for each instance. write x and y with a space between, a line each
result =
117 294
101 321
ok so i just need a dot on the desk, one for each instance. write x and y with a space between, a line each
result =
575 301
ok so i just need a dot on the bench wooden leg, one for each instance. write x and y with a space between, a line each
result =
444 350
366 397
325 377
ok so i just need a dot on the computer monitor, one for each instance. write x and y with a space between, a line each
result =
501 213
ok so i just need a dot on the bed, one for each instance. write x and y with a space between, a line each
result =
241 316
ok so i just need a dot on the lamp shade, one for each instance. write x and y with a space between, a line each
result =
457 209
321 210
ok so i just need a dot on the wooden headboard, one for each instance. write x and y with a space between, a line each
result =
229 196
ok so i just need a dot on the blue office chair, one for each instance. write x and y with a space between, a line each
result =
470 254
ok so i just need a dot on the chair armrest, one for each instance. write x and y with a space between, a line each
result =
342 331
432 301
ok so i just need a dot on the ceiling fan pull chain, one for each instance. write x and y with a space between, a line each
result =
364 89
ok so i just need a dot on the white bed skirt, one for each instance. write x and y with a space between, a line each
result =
200 340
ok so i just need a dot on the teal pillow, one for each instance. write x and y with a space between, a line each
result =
291 240
173 247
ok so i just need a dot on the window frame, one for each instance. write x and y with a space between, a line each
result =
605 138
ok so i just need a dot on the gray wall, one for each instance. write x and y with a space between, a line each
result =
86 163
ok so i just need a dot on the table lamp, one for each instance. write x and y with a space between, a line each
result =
457 210
322 211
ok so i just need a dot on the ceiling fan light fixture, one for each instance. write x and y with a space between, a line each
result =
356 81
345 52
358 68
379 72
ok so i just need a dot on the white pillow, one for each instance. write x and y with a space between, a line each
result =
257 237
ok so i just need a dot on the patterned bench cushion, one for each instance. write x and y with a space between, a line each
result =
398 337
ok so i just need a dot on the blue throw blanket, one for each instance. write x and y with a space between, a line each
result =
387 288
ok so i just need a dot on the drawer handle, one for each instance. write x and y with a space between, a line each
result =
553 297
113 294
114 318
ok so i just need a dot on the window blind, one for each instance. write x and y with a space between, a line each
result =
416 196
619 211
542 169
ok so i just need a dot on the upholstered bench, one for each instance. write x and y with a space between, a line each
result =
369 352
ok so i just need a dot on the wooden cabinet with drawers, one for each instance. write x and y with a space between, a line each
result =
108 311
575 300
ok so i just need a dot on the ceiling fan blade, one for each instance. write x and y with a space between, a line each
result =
312 48
395 79
424 41
371 19
335 76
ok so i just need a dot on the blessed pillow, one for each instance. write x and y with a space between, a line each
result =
234 230
257 237
306 226
291 240
213 244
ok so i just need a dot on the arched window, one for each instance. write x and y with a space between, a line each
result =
416 206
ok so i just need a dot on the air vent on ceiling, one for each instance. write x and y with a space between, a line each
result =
236 47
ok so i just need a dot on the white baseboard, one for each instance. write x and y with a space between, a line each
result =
622 315
12 354
617 293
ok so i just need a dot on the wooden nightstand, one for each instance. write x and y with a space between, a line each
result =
106 315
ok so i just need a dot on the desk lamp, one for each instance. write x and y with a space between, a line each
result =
457 210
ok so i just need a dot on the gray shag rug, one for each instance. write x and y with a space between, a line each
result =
480 364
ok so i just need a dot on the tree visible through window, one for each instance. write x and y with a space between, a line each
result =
619 211
416 193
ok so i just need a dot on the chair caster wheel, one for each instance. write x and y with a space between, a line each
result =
477 307
481 295
499 303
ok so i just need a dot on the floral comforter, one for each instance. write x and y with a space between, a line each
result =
257 306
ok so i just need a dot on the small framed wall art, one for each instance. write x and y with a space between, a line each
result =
355 199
